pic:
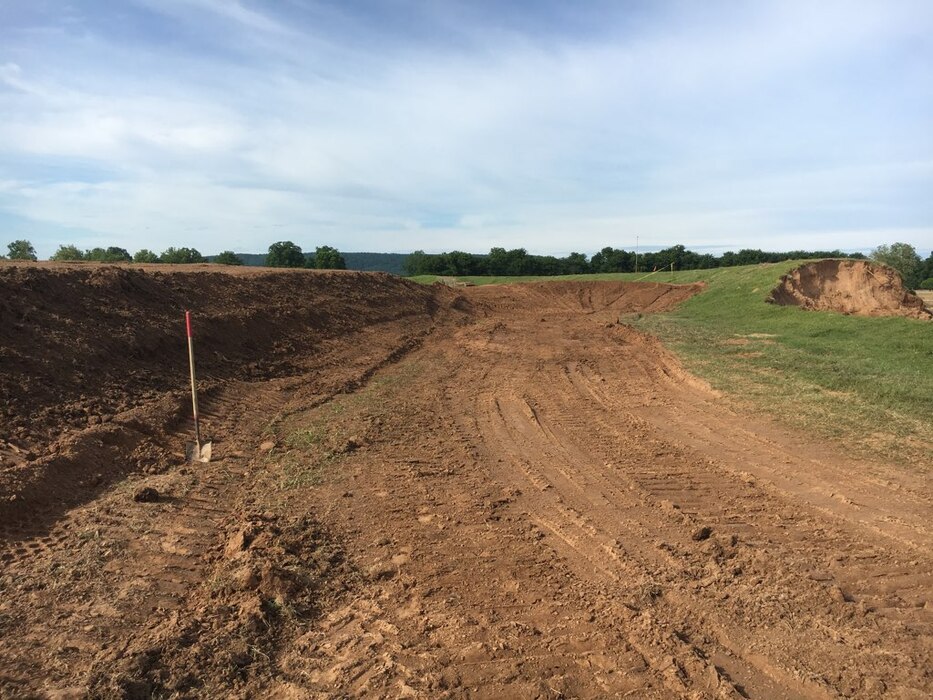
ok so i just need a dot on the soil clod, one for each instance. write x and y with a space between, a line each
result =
146 494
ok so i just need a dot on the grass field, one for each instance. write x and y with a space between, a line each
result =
865 381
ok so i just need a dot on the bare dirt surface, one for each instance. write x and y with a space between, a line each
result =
850 287
491 492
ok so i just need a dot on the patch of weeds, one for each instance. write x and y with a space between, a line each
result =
317 439
299 471
271 430
306 438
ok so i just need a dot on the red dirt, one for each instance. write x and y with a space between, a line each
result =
501 492
97 365
849 287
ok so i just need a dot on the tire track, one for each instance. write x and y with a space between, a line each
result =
605 485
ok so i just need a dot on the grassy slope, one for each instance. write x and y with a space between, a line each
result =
866 381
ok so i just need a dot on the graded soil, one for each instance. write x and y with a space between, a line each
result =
424 492
849 287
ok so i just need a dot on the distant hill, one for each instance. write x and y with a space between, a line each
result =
365 262
377 262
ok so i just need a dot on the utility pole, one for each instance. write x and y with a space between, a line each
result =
636 252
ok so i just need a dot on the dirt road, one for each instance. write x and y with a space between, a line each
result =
524 498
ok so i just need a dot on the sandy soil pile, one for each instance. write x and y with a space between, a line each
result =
850 287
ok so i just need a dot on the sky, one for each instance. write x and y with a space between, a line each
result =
394 125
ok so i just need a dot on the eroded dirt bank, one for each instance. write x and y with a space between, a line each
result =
94 358
532 501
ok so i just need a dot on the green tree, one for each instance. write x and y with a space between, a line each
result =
327 258
926 268
68 252
285 254
417 263
576 264
903 258
228 257
145 256
111 254
21 250
612 260
181 256
509 262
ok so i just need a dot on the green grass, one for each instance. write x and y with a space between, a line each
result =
865 381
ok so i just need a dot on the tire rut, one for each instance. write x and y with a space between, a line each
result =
595 476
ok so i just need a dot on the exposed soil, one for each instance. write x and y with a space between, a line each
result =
94 357
850 287
489 492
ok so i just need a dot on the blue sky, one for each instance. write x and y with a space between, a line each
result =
392 125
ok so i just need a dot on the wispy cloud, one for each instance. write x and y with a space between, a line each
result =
441 125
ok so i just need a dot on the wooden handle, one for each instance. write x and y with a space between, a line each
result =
194 383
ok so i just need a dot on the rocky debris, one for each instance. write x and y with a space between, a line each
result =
271 577
146 494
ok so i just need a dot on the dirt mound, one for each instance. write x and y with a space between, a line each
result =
94 379
85 343
850 287
272 578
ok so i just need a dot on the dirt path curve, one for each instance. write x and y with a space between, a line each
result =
569 514
531 502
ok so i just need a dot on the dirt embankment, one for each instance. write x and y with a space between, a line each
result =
850 287
586 297
73 332
94 356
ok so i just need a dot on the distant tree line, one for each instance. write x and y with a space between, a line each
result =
500 261
281 254
393 263
113 254
916 273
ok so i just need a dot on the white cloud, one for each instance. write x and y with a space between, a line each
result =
730 124
230 10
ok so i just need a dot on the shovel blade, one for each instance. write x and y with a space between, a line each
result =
198 453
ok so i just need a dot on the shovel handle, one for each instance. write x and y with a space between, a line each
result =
194 384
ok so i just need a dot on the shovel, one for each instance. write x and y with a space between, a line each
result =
196 452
